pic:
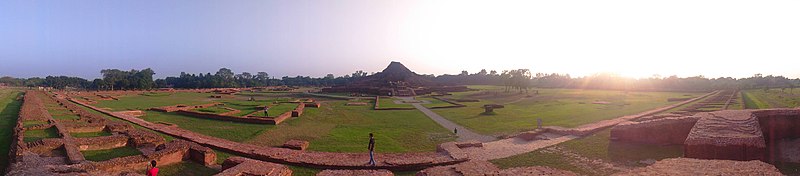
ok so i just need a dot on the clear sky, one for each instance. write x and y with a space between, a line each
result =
296 37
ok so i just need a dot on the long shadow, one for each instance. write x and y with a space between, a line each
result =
8 118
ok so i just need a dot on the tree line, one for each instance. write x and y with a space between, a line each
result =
512 80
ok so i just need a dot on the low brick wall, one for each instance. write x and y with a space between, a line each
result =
248 119
665 131
101 143
84 128
454 104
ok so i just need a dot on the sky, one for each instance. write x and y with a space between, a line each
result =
635 38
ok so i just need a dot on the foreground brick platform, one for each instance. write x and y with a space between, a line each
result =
730 135
691 167
486 168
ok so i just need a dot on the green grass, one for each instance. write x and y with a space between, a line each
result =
185 168
595 146
90 134
334 127
213 109
339 128
434 102
233 131
35 135
30 123
303 171
599 146
9 109
144 102
772 98
539 158
102 155
556 107
278 109
222 156
386 102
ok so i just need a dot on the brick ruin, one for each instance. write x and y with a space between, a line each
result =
691 167
62 155
730 134
476 167
249 118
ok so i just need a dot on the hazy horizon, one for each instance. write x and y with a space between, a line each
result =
313 38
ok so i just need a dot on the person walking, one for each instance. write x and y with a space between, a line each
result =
152 170
371 148
266 111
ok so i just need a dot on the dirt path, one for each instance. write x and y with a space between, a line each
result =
514 146
464 134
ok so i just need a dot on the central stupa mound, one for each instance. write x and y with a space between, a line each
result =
395 79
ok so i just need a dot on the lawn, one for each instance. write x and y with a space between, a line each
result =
233 131
772 98
248 107
594 147
30 123
35 135
556 107
434 102
141 102
339 128
102 155
9 109
90 134
386 102
213 110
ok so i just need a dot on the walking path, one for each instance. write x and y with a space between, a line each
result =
464 134
514 146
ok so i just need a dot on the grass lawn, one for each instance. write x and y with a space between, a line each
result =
596 146
9 109
185 168
213 109
141 102
233 131
30 123
35 135
338 128
303 171
556 107
90 134
248 107
772 98
386 102
102 155
434 102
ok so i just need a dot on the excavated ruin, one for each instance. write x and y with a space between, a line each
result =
729 135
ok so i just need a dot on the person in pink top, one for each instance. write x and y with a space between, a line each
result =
152 170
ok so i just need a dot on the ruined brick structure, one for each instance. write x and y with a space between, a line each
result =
691 167
62 155
730 134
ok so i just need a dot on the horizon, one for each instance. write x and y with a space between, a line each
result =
684 38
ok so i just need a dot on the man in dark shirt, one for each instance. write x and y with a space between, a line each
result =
371 148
